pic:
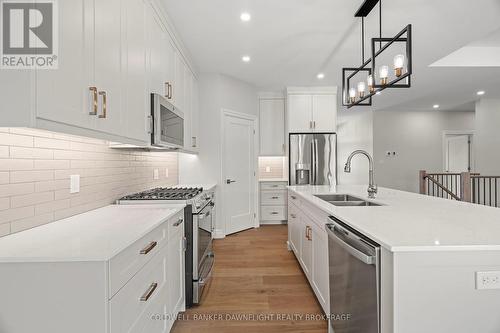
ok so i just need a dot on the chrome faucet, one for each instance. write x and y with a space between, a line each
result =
372 188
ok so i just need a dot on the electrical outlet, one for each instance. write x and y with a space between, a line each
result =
156 174
268 169
74 184
166 173
487 280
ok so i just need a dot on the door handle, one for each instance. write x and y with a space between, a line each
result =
104 104
229 181
93 90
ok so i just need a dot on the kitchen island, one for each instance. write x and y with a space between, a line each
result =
431 251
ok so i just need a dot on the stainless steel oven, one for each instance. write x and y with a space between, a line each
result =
203 257
167 124
354 280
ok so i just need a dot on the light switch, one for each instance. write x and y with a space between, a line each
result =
166 173
156 174
74 184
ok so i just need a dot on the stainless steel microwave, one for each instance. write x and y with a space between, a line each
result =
167 130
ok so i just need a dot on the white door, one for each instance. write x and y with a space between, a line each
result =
239 173
63 95
325 113
272 127
299 113
457 153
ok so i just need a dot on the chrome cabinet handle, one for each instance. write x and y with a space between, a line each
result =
179 222
147 295
229 181
275 198
293 216
170 91
193 139
104 104
93 111
274 213
149 248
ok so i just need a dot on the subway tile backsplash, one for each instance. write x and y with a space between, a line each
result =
272 167
35 167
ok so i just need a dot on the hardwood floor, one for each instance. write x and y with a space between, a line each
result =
257 286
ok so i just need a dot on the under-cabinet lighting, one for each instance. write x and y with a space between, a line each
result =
481 93
436 106
246 58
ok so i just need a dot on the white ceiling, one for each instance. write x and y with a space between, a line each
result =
290 41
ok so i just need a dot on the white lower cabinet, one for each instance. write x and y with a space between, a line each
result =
308 239
273 207
139 290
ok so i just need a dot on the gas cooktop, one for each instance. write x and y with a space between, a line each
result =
166 193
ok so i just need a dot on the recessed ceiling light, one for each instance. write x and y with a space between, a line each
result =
320 76
245 17
245 59
481 93
436 106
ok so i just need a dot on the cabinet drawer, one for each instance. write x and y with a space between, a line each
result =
273 213
142 297
272 186
273 198
128 262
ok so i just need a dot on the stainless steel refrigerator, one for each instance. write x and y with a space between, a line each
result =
313 159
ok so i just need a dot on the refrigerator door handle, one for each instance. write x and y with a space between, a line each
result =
313 166
316 162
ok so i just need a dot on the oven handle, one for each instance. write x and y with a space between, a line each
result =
336 233
204 279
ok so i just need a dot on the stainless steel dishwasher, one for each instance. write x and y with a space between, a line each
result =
354 262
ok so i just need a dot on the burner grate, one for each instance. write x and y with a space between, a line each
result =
166 193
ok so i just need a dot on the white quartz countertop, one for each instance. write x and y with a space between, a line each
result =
413 222
97 235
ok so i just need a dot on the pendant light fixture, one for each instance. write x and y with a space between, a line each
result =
377 77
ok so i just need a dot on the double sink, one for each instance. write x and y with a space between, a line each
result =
345 200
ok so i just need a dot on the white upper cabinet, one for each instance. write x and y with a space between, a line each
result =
135 95
272 127
312 110
195 117
108 62
187 107
112 55
299 113
324 113
63 95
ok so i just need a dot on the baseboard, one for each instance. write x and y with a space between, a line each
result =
273 222
218 234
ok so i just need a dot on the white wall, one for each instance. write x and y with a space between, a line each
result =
217 92
487 137
355 131
417 139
